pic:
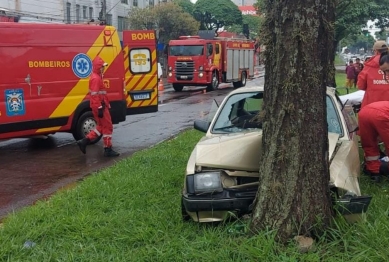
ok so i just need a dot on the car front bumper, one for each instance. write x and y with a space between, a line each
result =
353 205
228 200
214 207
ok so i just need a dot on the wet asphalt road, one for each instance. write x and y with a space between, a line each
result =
32 169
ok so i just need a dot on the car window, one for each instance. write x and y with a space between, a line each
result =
242 112
212 111
351 119
333 121
239 113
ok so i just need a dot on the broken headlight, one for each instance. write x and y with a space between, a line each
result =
207 182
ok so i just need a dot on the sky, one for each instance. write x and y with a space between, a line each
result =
371 30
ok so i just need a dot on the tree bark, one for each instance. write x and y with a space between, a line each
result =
331 67
293 195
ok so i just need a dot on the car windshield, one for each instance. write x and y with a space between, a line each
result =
186 50
239 113
242 112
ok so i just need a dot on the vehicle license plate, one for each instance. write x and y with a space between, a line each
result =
141 96
184 77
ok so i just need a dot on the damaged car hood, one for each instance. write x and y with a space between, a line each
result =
240 151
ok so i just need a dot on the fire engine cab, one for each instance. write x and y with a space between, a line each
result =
194 61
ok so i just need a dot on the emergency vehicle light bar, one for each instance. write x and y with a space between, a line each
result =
189 37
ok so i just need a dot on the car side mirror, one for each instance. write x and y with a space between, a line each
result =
201 125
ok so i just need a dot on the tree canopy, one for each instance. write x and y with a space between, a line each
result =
254 22
358 41
216 13
352 15
186 5
169 19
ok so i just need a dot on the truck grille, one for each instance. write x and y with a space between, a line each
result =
184 70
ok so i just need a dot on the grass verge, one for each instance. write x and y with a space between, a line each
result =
131 212
340 79
339 61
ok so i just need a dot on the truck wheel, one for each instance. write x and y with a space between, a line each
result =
215 82
85 124
177 87
242 81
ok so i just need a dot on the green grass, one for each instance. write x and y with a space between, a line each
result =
340 79
338 61
131 212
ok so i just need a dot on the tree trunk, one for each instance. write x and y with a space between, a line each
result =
293 195
332 70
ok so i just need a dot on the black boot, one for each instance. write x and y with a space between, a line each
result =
375 177
82 144
384 169
109 152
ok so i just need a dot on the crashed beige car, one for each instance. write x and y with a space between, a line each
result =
222 172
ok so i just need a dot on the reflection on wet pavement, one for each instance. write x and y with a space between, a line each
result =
31 169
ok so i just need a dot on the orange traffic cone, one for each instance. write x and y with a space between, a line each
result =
160 85
160 91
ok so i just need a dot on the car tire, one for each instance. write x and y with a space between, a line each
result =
85 124
177 87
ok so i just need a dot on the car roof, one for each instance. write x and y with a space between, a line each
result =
246 89
260 88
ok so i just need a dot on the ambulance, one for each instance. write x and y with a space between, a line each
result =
44 83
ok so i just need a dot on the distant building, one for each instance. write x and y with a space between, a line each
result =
71 11
244 2
248 10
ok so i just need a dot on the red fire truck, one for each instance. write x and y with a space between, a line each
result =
194 61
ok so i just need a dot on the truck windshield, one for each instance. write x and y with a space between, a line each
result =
186 50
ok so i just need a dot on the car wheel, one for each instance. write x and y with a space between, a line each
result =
85 124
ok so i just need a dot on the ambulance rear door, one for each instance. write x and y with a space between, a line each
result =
140 63
19 114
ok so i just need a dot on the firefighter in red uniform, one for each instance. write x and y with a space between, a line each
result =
99 104
371 78
374 122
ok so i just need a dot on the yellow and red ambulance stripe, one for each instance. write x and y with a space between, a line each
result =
78 93
136 82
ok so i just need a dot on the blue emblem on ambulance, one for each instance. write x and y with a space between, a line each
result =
15 103
82 65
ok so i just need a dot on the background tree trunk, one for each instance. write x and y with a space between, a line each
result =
293 195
